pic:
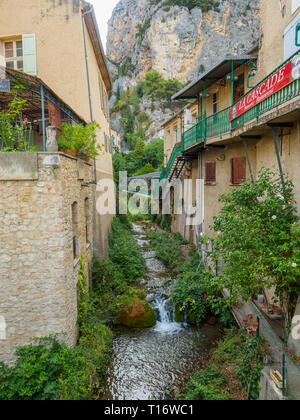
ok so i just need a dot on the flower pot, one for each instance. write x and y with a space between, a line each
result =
85 158
72 152
68 151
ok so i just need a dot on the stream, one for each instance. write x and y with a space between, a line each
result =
152 364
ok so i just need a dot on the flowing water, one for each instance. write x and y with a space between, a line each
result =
154 363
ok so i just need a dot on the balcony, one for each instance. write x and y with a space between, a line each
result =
245 110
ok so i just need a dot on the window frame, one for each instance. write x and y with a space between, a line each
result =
215 103
15 59
237 180
211 180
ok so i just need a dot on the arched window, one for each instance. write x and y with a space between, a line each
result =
75 230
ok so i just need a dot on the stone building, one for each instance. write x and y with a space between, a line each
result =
51 39
248 117
46 225
47 209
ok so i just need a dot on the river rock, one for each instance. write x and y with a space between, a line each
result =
136 314
212 320
150 298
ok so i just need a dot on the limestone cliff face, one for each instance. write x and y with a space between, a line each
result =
178 42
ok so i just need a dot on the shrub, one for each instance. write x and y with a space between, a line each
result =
258 240
234 370
82 139
124 252
49 370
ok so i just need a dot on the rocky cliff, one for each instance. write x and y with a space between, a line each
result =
177 41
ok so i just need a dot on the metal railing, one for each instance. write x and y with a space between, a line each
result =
278 98
218 124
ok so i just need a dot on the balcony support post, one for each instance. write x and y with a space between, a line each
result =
275 138
248 159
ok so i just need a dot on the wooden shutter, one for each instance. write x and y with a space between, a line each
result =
238 170
210 172
29 54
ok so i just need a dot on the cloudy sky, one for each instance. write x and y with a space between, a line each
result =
103 10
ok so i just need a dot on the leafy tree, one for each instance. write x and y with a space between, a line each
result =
147 169
258 240
139 150
154 85
154 153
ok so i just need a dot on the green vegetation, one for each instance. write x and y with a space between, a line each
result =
115 278
258 240
135 121
145 158
167 248
204 5
80 138
196 290
159 89
234 370
124 252
15 130
49 370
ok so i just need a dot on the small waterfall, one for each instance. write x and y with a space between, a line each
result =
165 316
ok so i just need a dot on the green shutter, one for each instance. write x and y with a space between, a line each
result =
29 54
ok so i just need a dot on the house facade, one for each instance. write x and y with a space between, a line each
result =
248 118
60 43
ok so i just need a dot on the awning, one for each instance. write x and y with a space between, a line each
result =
34 90
213 75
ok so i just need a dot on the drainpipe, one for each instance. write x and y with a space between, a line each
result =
43 116
88 78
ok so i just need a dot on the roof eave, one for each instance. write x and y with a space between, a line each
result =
94 33
180 94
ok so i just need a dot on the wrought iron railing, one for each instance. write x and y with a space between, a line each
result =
218 124
278 98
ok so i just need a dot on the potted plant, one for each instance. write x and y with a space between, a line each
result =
65 146
80 139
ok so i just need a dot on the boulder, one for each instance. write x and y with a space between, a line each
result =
136 314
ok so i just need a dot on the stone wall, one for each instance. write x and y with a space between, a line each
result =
38 270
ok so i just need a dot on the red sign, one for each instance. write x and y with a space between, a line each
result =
273 84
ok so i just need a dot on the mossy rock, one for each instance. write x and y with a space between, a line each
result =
178 314
136 313
191 318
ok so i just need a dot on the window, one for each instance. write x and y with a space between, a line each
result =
215 103
238 170
103 97
13 53
75 230
210 172
239 88
169 140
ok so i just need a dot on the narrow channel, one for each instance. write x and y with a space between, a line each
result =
156 363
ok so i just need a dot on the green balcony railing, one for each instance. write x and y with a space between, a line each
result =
177 151
218 124
278 98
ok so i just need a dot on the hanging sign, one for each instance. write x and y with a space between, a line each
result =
278 80
4 85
